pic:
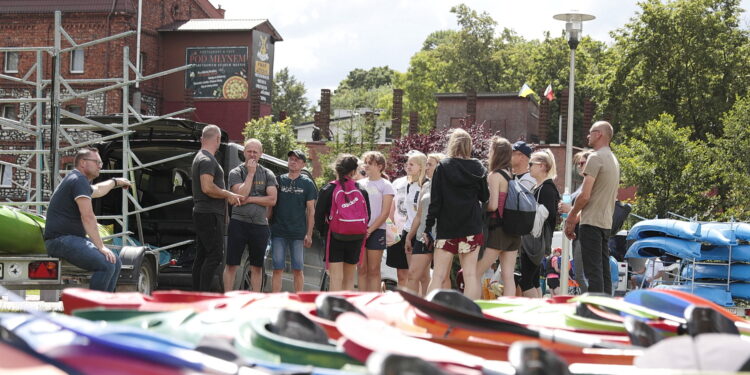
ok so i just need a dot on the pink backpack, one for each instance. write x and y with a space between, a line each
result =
348 214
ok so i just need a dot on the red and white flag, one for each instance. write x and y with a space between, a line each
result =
548 93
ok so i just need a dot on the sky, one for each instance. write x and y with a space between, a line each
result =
325 39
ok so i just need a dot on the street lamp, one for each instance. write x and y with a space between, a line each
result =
573 27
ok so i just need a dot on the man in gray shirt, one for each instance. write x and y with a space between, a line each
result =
209 209
248 226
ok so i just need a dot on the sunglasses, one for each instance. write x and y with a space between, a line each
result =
362 172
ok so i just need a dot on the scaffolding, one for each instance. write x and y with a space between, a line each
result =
34 124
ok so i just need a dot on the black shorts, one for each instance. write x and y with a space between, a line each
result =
345 251
254 236
376 241
553 283
396 255
420 248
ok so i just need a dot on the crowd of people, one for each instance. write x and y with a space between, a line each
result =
446 206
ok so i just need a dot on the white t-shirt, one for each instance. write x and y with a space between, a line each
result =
376 190
411 203
653 267
399 217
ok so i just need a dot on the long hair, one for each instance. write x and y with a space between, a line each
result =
419 159
378 158
459 144
547 159
345 164
581 155
500 153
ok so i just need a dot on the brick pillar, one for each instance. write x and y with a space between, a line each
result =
544 121
471 107
325 113
254 104
588 116
413 122
398 112
564 114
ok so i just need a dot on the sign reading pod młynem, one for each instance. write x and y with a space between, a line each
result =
218 72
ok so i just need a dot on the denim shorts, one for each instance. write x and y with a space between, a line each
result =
278 252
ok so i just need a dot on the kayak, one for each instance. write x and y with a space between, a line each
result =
717 294
687 230
19 361
690 298
739 253
734 272
657 246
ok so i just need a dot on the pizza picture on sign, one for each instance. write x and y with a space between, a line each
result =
235 87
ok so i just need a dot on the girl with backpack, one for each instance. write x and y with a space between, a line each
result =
459 188
421 253
542 167
552 269
380 193
341 216
500 245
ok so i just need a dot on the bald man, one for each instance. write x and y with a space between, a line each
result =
594 208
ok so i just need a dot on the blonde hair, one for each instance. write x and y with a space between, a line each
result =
459 144
545 157
579 156
421 160
378 158
438 156
500 153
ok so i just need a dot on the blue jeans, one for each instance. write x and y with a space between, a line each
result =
82 253
278 251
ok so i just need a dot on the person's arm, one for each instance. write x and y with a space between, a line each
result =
209 188
484 192
436 199
89 225
310 213
497 184
269 200
323 208
102 188
413 230
583 198
387 202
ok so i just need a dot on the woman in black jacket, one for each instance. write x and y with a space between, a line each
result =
542 167
459 188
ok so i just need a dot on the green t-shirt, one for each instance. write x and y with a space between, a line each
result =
290 213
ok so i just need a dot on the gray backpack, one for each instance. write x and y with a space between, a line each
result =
520 208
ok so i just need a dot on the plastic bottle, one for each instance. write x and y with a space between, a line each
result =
567 200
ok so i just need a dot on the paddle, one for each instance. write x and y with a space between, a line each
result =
529 358
478 322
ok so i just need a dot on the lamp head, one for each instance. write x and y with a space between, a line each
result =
573 25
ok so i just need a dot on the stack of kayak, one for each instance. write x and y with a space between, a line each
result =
350 332
715 256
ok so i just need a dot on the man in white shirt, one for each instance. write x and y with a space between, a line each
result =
654 270
519 161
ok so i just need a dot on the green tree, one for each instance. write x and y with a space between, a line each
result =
688 58
288 95
732 163
368 79
277 137
670 170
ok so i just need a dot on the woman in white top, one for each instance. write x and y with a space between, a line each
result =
380 195
421 254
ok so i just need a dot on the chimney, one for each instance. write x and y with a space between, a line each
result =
564 114
325 113
543 121
588 116
398 96
413 122
471 107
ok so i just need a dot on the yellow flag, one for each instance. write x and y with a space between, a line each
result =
525 91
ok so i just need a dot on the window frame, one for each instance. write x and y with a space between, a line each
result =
6 59
6 169
73 54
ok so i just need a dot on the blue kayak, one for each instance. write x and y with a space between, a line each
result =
650 247
687 230
740 290
740 253
718 234
739 271
717 294
740 231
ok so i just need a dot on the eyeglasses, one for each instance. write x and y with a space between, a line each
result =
592 131
582 163
362 172
98 163
531 163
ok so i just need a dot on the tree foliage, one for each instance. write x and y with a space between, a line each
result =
368 79
288 95
731 155
277 137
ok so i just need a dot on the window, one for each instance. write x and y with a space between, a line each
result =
76 61
6 176
9 111
11 62
75 109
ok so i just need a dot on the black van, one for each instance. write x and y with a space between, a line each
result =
163 151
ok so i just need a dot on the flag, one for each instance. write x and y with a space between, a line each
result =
548 93
525 91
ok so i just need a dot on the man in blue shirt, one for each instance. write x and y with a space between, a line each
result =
293 220
70 218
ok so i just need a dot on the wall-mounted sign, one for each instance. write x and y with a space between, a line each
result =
219 72
262 69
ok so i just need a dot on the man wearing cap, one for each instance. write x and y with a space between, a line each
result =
519 161
248 226
293 220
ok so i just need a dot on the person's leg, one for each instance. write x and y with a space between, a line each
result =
442 265
256 278
347 282
336 275
507 267
230 275
258 236
115 276
214 243
363 281
199 221
578 265
592 257
82 253
419 262
527 276
471 281
278 252
237 241
485 262
296 248
604 246
373 259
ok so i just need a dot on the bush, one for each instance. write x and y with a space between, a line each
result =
277 136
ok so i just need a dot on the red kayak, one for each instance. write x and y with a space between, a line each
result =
17 361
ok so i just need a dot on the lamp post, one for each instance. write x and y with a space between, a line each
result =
573 27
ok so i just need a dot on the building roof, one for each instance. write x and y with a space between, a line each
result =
462 95
219 25
49 6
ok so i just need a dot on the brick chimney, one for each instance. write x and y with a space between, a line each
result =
564 114
413 122
398 112
325 113
471 107
544 121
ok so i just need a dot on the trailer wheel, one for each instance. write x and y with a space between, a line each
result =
146 277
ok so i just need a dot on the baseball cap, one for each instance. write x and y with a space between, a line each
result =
523 148
299 154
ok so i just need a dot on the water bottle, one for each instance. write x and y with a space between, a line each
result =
566 199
